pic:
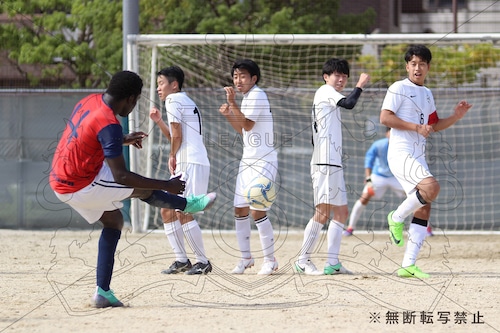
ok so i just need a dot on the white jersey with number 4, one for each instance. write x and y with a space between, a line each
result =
183 110
327 127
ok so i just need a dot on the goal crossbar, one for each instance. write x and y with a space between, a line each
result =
161 40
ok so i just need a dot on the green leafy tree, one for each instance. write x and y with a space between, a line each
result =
79 37
83 38
253 17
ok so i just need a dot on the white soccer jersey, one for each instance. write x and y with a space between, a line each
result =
414 104
258 143
327 127
183 110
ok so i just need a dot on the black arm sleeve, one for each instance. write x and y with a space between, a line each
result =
350 101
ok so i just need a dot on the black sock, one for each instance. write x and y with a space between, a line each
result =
164 199
106 256
419 221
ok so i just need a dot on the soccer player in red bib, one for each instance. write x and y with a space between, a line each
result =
89 173
409 110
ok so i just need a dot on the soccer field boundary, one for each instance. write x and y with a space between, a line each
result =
360 232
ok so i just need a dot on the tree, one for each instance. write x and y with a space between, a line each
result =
84 37
254 17
79 37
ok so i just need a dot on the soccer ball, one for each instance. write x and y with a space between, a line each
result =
260 193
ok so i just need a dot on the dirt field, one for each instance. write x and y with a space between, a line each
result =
48 277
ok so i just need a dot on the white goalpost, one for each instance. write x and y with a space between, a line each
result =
463 158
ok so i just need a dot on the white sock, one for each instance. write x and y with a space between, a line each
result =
243 230
357 209
334 238
193 235
311 236
175 237
266 235
416 237
408 206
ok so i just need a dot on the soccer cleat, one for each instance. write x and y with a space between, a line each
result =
336 269
268 267
396 230
198 203
429 232
104 299
412 272
242 265
200 268
348 232
178 267
308 268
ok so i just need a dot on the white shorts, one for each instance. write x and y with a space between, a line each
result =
196 177
381 184
409 171
328 185
102 195
248 171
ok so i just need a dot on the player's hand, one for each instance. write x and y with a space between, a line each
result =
364 78
172 164
425 130
176 185
461 109
230 95
134 139
224 109
155 114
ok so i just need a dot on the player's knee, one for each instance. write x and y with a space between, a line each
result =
168 215
433 191
112 219
241 211
429 190
342 217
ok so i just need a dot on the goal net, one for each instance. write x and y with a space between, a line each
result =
463 158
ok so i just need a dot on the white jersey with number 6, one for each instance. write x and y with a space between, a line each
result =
414 104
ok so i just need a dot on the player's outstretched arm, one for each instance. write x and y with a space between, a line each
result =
458 113
125 177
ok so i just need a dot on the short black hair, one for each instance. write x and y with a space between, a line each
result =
420 51
249 65
124 84
335 65
173 73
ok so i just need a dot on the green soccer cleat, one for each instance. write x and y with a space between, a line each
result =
412 272
104 299
336 269
198 203
396 230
